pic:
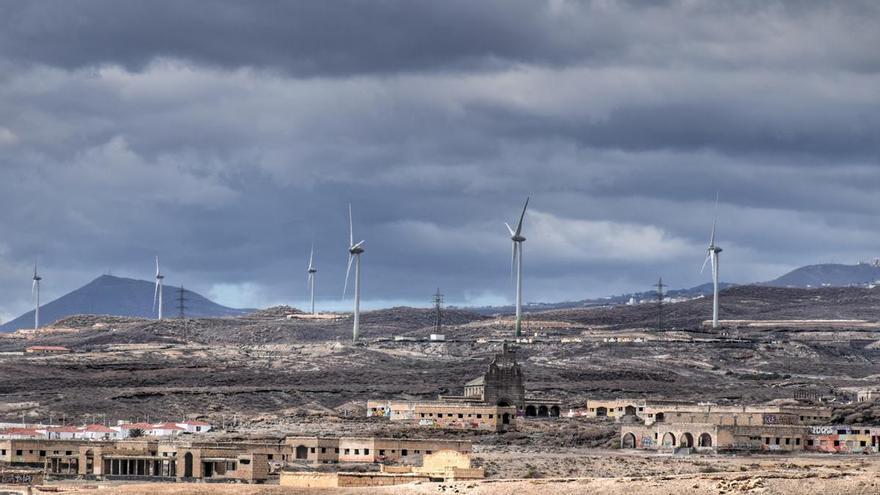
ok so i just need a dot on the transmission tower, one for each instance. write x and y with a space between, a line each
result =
181 303
660 287
438 306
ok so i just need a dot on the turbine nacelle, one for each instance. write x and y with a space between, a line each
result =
357 248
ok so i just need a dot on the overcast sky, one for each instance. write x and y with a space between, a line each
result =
227 137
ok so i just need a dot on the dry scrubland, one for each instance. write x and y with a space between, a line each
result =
601 473
277 376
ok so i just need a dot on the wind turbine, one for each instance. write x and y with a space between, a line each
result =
712 255
312 271
354 253
157 295
35 293
516 260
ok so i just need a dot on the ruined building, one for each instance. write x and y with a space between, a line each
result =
489 402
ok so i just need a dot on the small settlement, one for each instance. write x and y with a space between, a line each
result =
491 402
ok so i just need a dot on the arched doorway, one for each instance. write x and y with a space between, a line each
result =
669 440
188 465
659 417
503 403
601 411
554 412
629 441
686 440
505 419
90 462
302 452
629 411
543 412
705 440
531 412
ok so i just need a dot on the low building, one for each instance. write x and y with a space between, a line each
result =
844 439
445 465
447 415
675 411
322 450
47 349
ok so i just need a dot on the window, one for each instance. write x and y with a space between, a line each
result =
357 451
43 452
366 451
810 442
422 415
777 440
2 451
428 452
490 416
479 416
787 441
450 415
244 461
346 451
313 450
381 451
797 441
863 443
404 452
270 457
336 449
323 450
837 443
19 452
460 415
30 451
767 441
230 466
418 451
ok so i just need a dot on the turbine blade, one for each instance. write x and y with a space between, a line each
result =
708 255
358 245
714 222
350 227
512 233
157 266
311 257
34 288
519 225
347 273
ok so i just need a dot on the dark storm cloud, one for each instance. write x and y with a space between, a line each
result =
227 137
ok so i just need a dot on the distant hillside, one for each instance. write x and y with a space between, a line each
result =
828 275
118 296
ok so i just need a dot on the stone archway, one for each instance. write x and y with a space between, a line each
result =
601 411
543 412
628 442
668 439
505 419
629 411
503 403
531 411
188 465
659 417
705 440
686 440
302 452
554 411
90 462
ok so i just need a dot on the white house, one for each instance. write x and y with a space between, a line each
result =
195 426
98 432
165 430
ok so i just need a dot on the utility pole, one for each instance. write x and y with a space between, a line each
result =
181 303
660 287
438 305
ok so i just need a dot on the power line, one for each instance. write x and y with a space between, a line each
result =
659 285
438 305
181 303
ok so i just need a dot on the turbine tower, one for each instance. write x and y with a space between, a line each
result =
516 260
35 293
157 295
354 253
712 256
312 271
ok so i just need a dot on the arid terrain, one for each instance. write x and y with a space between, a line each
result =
266 376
